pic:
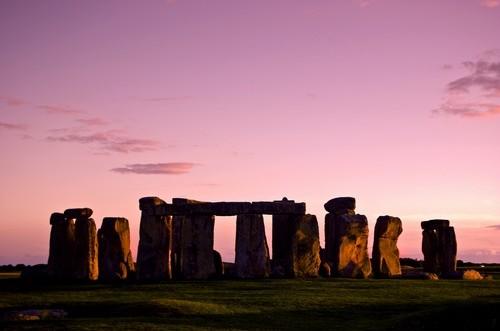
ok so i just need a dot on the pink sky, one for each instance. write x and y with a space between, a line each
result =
394 102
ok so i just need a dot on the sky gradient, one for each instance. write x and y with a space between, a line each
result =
394 102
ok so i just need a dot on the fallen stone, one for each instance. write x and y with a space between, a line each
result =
385 255
86 251
78 213
471 274
35 314
342 205
252 253
115 257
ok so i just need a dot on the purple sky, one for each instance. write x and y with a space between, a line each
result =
394 102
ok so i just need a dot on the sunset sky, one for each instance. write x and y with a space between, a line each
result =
394 102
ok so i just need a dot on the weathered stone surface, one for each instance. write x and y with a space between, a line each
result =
385 256
148 205
471 274
342 205
346 245
218 264
86 255
115 257
155 243
296 250
306 247
434 224
78 213
62 248
252 253
196 247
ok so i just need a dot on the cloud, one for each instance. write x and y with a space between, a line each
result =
470 110
172 168
112 141
12 101
95 121
495 227
477 93
13 127
58 110
490 3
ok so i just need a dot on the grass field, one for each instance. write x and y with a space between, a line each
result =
333 304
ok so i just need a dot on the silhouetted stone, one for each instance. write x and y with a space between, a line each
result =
252 252
78 213
86 255
218 264
155 242
196 247
325 270
447 255
61 264
115 257
435 224
283 233
346 245
342 205
430 251
385 256
439 246
183 207
306 247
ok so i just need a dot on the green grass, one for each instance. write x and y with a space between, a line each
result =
333 304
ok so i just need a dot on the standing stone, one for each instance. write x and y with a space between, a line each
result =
252 253
347 245
62 247
155 242
86 259
385 255
196 247
283 233
439 246
306 247
296 249
115 257
430 251
447 251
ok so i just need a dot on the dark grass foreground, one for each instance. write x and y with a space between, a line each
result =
329 304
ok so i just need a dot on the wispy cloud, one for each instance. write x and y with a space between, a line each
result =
476 94
13 127
495 227
490 3
363 3
59 110
113 141
12 101
172 168
95 121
